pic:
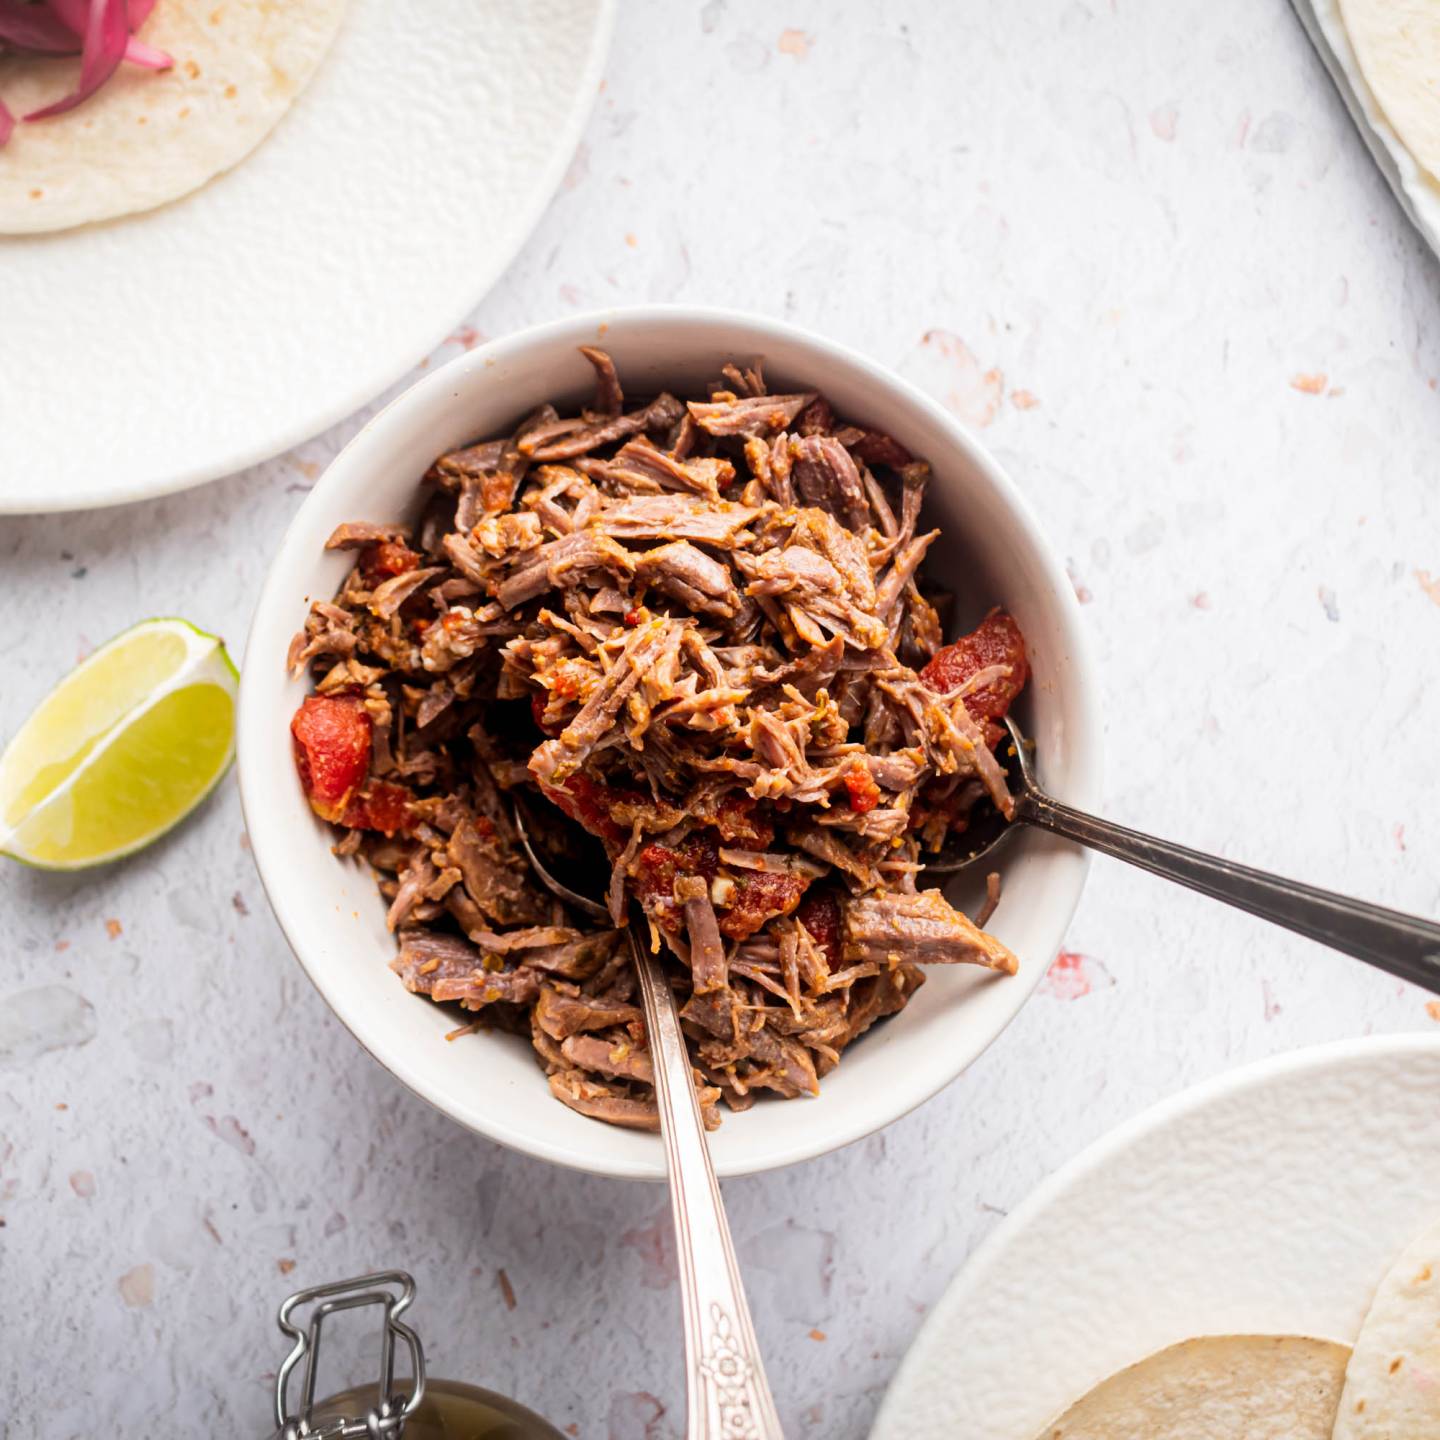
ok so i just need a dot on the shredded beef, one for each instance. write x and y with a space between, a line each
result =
700 630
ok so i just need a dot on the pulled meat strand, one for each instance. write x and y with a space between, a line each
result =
699 630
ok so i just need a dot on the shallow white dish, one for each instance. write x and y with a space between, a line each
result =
329 909
1414 188
1270 1200
164 349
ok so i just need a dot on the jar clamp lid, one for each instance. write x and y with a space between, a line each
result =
392 1290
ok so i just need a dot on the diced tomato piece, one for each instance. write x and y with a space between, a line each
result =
819 913
875 447
996 641
331 737
657 866
381 806
632 618
387 558
864 792
760 896
589 803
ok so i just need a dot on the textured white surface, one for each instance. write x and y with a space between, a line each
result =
162 349
1270 1203
1129 234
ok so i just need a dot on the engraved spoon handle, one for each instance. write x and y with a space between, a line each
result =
728 1395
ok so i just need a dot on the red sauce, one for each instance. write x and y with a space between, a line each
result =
760 896
385 559
996 641
589 803
864 792
658 865
381 806
819 913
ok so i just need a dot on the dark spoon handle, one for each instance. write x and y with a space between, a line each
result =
1403 945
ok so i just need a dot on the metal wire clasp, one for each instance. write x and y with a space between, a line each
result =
388 1418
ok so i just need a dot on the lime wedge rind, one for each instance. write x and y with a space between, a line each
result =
179 766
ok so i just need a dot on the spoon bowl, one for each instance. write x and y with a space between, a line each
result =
987 827
585 904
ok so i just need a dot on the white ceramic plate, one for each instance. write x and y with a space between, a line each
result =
1414 188
1271 1200
157 351
994 553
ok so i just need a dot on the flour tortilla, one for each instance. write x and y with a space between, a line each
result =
1392 1386
148 138
1397 43
1220 1387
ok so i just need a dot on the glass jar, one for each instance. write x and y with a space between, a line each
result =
410 1408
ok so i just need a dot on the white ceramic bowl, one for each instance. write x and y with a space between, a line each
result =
992 552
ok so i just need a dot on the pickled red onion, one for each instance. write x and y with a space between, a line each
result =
36 29
100 30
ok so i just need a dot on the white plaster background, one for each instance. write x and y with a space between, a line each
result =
1139 247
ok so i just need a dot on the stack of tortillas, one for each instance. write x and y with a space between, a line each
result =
1221 1387
1392 1385
148 138
1397 45
1287 1387
1384 57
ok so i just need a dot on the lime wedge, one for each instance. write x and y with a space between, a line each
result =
122 750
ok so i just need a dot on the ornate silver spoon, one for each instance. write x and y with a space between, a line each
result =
1403 945
728 1397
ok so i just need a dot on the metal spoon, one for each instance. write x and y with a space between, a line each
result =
728 1397
1402 945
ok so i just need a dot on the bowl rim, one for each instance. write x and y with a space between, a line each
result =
274 613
